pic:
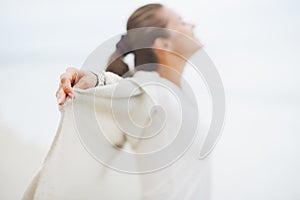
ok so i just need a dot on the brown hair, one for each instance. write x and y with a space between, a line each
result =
145 16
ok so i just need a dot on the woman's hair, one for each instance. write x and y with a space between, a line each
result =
145 16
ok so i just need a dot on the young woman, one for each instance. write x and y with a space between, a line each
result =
188 178
151 15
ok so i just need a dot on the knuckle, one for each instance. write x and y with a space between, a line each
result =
65 87
71 70
64 79
67 90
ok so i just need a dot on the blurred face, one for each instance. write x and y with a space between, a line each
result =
180 43
175 22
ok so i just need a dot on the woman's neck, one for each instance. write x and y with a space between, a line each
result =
171 67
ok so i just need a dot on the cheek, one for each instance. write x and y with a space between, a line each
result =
179 43
185 30
188 31
178 26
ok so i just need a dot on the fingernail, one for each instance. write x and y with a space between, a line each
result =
70 95
58 100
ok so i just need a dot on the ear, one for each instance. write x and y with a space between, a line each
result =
162 43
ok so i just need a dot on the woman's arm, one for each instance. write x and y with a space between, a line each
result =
74 78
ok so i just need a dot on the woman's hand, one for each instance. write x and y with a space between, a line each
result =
74 78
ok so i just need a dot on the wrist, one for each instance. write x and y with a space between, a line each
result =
100 79
97 78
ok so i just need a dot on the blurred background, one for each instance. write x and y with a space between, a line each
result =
253 43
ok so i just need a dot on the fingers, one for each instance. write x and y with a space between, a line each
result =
65 89
61 96
66 81
73 72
